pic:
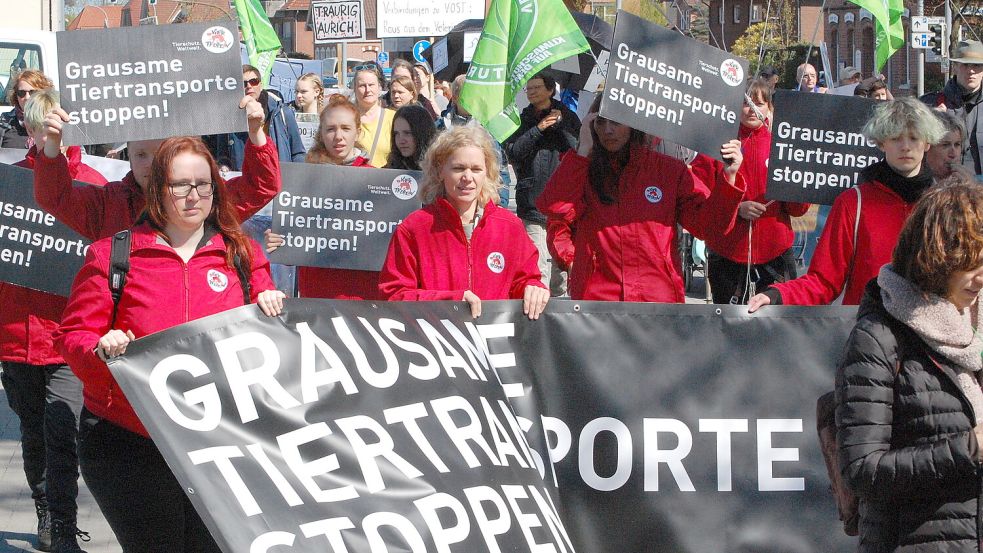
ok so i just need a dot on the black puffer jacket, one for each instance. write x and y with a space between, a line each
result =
12 133
907 447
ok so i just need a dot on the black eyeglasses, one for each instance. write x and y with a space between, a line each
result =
24 93
252 82
183 189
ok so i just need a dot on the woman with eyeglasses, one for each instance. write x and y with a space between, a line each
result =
13 132
625 200
188 260
377 121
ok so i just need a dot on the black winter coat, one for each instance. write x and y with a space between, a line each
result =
12 134
907 447
535 154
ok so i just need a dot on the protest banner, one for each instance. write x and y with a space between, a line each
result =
817 149
672 86
148 82
416 18
698 440
36 251
307 124
336 20
340 217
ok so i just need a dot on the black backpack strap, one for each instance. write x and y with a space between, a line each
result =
119 267
243 279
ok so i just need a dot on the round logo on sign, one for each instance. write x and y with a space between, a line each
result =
217 39
404 187
496 262
731 72
653 194
217 280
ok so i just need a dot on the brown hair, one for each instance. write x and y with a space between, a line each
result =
319 152
943 234
35 78
406 83
222 216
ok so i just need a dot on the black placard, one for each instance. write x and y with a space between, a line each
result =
340 217
148 82
668 85
36 251
817 149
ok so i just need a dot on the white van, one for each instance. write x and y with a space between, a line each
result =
25 49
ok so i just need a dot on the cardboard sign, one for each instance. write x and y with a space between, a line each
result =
340 217
36 251
416 18
148 82
673 87
307 124
336 20
817 149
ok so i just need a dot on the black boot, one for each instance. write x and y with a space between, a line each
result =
44 526
64 536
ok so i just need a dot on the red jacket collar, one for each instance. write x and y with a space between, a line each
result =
144 236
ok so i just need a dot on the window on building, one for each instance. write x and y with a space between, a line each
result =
737 13
756 11
720 14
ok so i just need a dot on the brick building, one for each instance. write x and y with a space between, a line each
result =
730 18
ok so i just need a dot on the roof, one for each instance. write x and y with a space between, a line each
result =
171 11
97 17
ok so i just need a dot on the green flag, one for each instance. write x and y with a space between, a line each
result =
520 38
261 41
887 25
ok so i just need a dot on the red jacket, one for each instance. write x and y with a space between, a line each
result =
626 251
161 291
883 213
772 232
100 212
339 284
29 317
430 257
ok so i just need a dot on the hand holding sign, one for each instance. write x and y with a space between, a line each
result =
732 156
255 117
53 123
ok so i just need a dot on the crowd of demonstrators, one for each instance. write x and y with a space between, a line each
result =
547 129
13 131
962 96
413 132
377 121
40 387
757 250
404 69
308 94
624 200
864 223
910 406
187 260
461 245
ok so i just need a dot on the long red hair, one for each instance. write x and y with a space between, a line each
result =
222 216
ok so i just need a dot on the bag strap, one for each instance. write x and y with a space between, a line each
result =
853 256
119 267
378 130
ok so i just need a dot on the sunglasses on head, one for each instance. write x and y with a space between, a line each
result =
370 67
252 82
24 93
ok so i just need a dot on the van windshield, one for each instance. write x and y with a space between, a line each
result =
14 58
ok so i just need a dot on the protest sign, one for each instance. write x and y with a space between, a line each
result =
336 20
340 217
147 82
672 86
817 149
307 124
692 442
36 251
415 18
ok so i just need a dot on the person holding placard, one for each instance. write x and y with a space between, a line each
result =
625 200
461 245
188 260
864 222
40 387
377 121
13 132
757 251
308 94
413 131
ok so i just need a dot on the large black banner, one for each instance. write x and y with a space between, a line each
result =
139 83
655 428
672 86
817 149
340 217
36 251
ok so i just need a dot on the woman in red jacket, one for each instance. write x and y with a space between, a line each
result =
760 241
182 267
851 252
625 201
40 387
461 245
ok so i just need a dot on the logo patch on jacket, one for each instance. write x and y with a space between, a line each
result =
653 194
496 262
217 280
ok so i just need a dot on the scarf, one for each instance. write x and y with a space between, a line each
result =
909 188
941 326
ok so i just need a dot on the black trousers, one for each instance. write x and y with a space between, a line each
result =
728 280
142 501
47 399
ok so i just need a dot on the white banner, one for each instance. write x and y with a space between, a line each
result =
416 18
